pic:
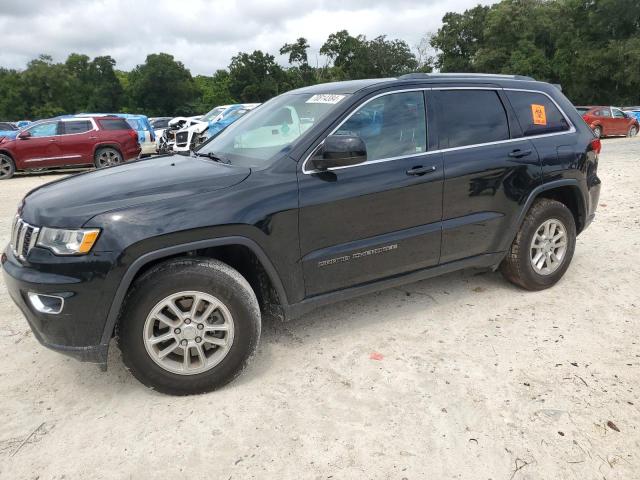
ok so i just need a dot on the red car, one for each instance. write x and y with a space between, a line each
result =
64 142
607 121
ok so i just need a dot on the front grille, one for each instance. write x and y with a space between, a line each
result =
182 137
23 238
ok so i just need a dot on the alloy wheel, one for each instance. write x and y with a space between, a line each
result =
5 167
548 247
108 158
188 332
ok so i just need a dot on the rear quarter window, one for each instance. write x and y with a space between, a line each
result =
537 114
113 124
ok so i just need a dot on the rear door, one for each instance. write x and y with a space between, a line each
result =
377 219
77 138
41 149
489 167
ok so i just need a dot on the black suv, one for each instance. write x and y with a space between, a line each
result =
318 195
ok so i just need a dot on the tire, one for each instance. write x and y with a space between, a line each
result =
633 131
518 266
107 157
7 167
597 130
139 325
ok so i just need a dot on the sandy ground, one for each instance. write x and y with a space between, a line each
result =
477 380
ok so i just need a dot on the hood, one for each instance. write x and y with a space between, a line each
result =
72 201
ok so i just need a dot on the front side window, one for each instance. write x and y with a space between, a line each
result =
618 113
471 117
47 129
76 126
256 139
392 125
537 114
7 126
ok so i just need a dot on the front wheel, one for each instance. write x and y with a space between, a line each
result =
633 131
189 326
7 167
107 157
543 248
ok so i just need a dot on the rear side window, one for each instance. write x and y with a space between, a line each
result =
391 126
76 126
114 124
536 113
471 117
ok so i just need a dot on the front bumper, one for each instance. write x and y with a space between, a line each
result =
78 329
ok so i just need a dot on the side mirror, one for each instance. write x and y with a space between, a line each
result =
340 151
24 135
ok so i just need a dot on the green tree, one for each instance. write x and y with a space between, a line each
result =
256 77
213 90
162 86
106 91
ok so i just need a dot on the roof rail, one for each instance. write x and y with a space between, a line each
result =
412 76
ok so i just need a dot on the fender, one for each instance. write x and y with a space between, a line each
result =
513 229
134 268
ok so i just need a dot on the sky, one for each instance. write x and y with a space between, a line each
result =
204 35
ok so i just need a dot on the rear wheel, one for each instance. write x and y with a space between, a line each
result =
633 131
189 326
543 248
597 130
107 157
7 167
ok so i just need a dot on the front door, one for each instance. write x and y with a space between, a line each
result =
381 218
620 122
41 148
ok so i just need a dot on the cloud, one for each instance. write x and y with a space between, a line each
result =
203 34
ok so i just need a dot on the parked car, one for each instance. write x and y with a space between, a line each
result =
8 130
635 111
73 141
608 121
197 131
142 126
321 194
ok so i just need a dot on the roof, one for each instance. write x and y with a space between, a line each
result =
353 86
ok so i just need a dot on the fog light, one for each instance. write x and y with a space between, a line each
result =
46 303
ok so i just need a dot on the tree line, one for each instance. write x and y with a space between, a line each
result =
590 47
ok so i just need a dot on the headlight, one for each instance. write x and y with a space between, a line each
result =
68 242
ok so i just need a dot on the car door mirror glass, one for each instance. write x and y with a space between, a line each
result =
340 151
24 135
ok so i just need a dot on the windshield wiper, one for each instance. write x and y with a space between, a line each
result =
211 156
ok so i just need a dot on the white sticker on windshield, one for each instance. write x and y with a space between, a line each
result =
325 98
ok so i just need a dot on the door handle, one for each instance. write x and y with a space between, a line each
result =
420 170
52 139
519 153
93 138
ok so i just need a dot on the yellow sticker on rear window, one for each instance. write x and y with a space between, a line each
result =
539 114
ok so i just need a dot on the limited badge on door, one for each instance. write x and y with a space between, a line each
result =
539 114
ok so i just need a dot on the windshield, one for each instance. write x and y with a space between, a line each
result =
257 138
212 114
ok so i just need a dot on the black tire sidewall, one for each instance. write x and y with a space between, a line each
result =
12 164
530 277
185 277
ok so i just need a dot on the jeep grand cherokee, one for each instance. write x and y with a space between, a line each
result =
321 194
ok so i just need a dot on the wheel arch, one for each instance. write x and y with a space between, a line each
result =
115 146
241 253
566 191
